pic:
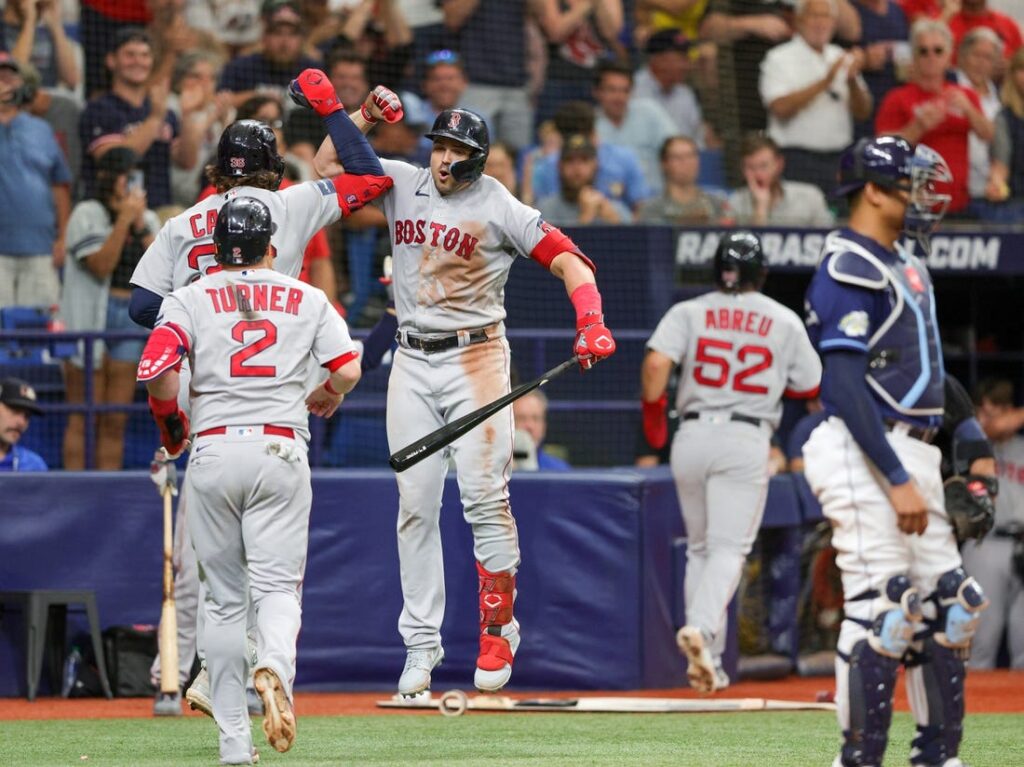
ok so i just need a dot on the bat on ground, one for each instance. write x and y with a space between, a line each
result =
168 614
430 444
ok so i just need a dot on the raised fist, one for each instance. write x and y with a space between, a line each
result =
312 89
382 102
594 341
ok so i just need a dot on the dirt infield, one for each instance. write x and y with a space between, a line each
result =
987 692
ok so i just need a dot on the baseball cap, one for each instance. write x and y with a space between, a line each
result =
17 393
668 40
127 35
7 61
578 146
277 13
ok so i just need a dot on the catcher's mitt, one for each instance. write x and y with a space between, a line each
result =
970 504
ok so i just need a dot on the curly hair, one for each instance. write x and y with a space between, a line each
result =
263 179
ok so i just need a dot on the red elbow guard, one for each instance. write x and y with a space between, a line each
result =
164 349
355 191
656 422
555 241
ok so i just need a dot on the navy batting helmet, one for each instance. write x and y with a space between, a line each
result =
884 160
247 147
243 231
740 262
467 128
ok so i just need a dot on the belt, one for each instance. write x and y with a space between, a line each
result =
268 430
439 343
919 433
737 417
1015 531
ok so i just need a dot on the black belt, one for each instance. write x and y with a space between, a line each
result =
434 344
694 415
1014 531
919 433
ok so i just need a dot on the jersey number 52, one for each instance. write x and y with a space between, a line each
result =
714 368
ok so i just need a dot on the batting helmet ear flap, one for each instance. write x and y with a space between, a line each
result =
467 128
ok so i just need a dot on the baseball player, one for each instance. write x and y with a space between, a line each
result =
998 561
455 234
741 352
871 314
248 331
248 164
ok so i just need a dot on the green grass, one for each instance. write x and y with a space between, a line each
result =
495 740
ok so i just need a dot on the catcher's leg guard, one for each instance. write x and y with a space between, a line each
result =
936 671
871 678
499 631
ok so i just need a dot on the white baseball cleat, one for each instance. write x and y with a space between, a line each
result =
701 666
198 694
416 674
496 669
278 716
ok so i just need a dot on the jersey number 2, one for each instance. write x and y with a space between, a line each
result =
239 368
714 369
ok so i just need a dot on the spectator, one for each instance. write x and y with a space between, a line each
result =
664 80
619 175
347 72
813 91
531 417
642 125
377 31
17 406
444 84
886 52
940 10
235 24
107 235
578 202
978 55
61 111
34 33
193 93
280 58
34 187
100 22
1006 174
998 559
549 144
495 65
769 200
930 110
134 114
976 13
744 31
682 202
579 35
426 21
501 164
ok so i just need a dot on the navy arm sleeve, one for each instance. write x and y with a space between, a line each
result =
144 307
379 341
354 151
844 389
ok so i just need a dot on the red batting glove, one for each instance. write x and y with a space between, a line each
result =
656 422
387 101
312 89
594 341
173 424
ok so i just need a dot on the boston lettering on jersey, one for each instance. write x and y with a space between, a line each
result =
737 319
255 298
411 232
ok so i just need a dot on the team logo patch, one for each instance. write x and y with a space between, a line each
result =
351 199
914 279
238 163
454 120
855 324
326 187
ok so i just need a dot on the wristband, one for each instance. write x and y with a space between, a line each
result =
587 302
330 389
366 114
163 407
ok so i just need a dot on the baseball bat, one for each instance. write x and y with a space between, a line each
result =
168 614
439 438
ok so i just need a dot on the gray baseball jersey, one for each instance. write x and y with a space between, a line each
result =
452 253
183 250
741 353
256 325
1010 466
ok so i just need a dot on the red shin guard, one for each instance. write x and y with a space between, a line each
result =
497 593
